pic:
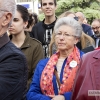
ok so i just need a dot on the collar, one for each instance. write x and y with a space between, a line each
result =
49 26
4 40
97 53
26 43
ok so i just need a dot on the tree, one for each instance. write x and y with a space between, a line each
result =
90 8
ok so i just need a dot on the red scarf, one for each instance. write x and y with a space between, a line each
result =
97 48
68 74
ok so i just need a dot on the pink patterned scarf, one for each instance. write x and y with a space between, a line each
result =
68 73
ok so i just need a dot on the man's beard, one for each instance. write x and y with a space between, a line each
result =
97 34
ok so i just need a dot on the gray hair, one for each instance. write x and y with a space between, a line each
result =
68 21
8 5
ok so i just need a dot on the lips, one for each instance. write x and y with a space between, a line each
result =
11 29
61 43
48 11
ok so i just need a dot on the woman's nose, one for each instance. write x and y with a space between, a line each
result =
62 36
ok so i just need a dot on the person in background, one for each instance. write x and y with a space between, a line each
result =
31 47
96 29
13 64
86 85
53 78
86 28
33 19
44 29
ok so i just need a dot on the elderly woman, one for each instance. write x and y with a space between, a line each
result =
85 40
54 77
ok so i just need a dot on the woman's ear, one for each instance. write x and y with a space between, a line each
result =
77 40
7 17
25 24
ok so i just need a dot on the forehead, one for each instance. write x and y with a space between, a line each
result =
17 14
0 4
71 15
47 1
65 28
78 14
95 23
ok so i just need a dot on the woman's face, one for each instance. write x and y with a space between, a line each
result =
18 25
65 38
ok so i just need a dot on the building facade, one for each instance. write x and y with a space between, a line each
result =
32 5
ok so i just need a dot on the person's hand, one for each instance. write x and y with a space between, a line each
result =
58 97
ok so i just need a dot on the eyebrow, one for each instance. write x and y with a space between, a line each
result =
48 3
64 32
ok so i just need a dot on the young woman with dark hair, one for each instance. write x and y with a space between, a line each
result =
31 47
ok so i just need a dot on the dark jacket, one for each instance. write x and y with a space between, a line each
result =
95 39
33 51
13 71
39 30
88 77
43 33
87 29
88 49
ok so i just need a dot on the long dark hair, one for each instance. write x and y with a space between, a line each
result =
25 15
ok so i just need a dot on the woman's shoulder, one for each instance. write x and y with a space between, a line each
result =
42 63
44 60
32 40
81 53
35 41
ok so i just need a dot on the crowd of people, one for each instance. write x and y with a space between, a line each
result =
54 59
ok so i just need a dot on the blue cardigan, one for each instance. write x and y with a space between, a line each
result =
35 92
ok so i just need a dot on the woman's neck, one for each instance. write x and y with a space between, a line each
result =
65 53
18 39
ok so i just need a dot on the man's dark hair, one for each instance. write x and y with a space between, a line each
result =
55 2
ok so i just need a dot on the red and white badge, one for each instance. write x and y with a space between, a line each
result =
73 63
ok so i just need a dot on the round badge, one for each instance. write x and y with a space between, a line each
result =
73 64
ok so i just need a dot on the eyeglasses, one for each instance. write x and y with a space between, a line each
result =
95 28
65 35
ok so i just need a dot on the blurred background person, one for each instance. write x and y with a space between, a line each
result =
96 29
53 78
44 29
33 19
86 28
31 47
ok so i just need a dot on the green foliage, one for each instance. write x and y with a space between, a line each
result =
90 8
41 16
94 5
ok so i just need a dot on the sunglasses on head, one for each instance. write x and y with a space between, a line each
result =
76 18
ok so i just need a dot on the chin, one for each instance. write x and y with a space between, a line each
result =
48 15
61 49
12 33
